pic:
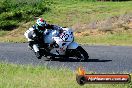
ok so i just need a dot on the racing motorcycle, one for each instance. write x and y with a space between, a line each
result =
62 45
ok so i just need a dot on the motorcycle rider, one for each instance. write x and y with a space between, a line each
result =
36 33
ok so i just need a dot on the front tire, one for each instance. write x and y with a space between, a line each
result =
81 54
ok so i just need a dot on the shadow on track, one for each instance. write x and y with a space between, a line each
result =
75 60
97 60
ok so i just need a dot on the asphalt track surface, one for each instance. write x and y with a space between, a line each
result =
103 59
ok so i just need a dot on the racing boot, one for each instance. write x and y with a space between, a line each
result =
38 55
30 46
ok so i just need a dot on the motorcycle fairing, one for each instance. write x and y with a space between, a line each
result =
62 46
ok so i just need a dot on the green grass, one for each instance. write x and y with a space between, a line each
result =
2 33
124 38
61 12
20 76
70 13
109 39
13 12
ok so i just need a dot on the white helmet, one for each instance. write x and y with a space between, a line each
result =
40 22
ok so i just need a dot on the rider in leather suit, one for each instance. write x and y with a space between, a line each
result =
36 33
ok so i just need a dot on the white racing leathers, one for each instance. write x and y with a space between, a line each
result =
29 34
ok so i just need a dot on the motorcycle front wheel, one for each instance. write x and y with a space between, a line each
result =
81 54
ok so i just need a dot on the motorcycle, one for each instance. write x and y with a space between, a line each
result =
62 45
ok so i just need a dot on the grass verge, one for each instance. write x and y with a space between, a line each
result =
123 39
16 76
80 15
2 33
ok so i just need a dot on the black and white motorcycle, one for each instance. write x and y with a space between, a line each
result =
61 45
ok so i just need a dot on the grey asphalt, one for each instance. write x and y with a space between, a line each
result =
103 59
